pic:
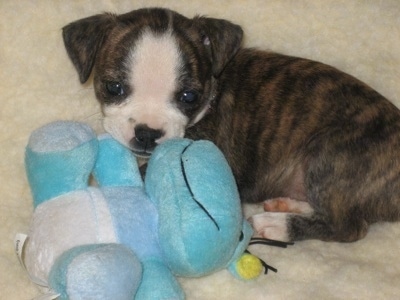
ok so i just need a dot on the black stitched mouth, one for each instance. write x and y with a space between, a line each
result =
191 192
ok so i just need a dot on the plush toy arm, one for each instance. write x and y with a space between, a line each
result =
59 158
116 166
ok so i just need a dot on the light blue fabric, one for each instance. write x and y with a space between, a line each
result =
115 165
134 216
185 220
101 272
158 283
204 210
53 171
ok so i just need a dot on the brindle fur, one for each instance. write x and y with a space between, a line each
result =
289 127
297 128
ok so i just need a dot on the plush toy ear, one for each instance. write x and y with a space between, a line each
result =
224 39
83 39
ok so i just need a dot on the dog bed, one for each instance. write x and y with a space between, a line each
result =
38 84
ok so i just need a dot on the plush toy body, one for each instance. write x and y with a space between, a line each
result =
126 239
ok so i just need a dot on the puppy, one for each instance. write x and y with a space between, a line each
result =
320 146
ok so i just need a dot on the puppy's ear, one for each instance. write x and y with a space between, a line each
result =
223 37
83 39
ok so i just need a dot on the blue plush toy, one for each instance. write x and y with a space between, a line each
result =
125 239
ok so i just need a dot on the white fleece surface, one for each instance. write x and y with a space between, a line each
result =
38 84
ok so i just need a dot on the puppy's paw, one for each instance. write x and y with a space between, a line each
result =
271 225
287 205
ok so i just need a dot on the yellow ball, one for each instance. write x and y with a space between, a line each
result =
249 266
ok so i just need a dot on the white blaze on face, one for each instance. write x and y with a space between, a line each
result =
155 64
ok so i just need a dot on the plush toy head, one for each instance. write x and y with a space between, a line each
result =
185 219
208 225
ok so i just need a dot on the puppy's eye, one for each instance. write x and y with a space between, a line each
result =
189 97
115 88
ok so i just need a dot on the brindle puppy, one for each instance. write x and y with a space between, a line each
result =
319 144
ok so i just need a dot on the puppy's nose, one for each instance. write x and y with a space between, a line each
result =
145 138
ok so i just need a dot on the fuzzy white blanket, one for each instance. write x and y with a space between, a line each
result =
38 84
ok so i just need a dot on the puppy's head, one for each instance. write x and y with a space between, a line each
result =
153 70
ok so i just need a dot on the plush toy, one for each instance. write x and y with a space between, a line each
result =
125 238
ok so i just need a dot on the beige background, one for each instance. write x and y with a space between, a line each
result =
38 84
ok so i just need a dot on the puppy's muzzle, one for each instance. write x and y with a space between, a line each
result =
145 139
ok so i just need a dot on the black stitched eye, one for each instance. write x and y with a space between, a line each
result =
189 97
115 88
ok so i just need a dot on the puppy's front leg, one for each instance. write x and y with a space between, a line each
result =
290 220
283 204
273 223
